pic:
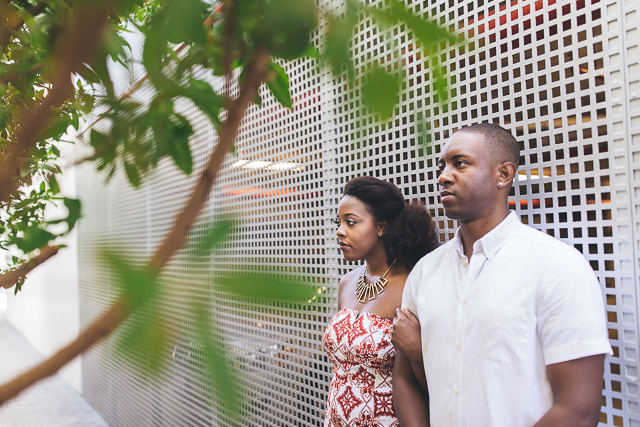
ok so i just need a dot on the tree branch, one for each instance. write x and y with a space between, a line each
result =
11 277
124 306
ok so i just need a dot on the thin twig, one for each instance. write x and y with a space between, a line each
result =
11 277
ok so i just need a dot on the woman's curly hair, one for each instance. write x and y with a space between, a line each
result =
409 233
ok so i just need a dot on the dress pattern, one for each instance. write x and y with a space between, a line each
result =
360 394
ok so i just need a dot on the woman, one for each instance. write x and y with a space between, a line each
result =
377 226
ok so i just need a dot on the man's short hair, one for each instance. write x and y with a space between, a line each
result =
501 144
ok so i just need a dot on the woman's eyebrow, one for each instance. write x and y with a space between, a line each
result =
350 214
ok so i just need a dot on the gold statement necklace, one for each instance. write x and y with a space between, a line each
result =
368 291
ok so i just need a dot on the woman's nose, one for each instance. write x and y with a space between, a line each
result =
340 231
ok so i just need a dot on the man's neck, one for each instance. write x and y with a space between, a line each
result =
474 230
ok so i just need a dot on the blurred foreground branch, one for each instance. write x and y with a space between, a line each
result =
126 305
10 278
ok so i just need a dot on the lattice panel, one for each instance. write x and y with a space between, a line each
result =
564 77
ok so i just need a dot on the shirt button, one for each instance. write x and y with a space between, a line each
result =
464 302
464 263
458 345
456 390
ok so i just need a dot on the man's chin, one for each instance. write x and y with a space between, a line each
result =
452 213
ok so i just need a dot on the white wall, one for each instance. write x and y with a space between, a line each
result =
46 310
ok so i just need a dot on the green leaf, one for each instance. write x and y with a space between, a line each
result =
182 21
53 184
178 132
380 92
55 128
428 32
205 98
153 54
139 285
440 85
146 334
97 139
217 364
132 174
279 85
287 26
311 51
74 207
33 238
264 286
337 40
215 235
258 99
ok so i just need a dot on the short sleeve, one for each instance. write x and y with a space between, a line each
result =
571 314
410 290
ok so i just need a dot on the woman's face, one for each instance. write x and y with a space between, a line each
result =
358 233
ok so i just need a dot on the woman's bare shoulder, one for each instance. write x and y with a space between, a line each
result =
350 277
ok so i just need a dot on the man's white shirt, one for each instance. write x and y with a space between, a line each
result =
490 325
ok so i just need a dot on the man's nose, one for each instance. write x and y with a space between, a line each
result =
444 177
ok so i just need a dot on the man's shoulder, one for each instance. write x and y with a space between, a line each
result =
436 255
542 249
535 239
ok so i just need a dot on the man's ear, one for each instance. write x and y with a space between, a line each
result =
506 174
382 225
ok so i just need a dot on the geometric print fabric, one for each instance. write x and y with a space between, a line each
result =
359 346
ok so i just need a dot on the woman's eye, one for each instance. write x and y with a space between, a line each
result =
350 222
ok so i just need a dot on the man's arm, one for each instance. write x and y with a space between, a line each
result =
409 381
577 393
411 401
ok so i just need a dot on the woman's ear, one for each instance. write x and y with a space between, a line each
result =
382 225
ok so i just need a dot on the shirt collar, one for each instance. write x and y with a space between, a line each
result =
491 242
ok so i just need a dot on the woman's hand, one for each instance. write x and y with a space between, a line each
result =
406 335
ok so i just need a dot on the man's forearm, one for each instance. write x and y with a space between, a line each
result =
411 401
576 386
421 377
561 416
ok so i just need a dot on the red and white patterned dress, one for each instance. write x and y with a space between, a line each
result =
360 395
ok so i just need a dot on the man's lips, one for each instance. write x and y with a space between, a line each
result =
446 195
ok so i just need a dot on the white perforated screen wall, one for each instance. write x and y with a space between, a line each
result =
563 77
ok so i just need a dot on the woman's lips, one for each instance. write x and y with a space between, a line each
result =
344 246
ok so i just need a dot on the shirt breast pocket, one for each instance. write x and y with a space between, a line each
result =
507 334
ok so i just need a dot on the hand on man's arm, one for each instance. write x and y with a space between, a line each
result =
406 338
577 392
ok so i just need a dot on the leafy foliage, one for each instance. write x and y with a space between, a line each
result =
182 38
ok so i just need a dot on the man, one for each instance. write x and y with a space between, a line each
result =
511 320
